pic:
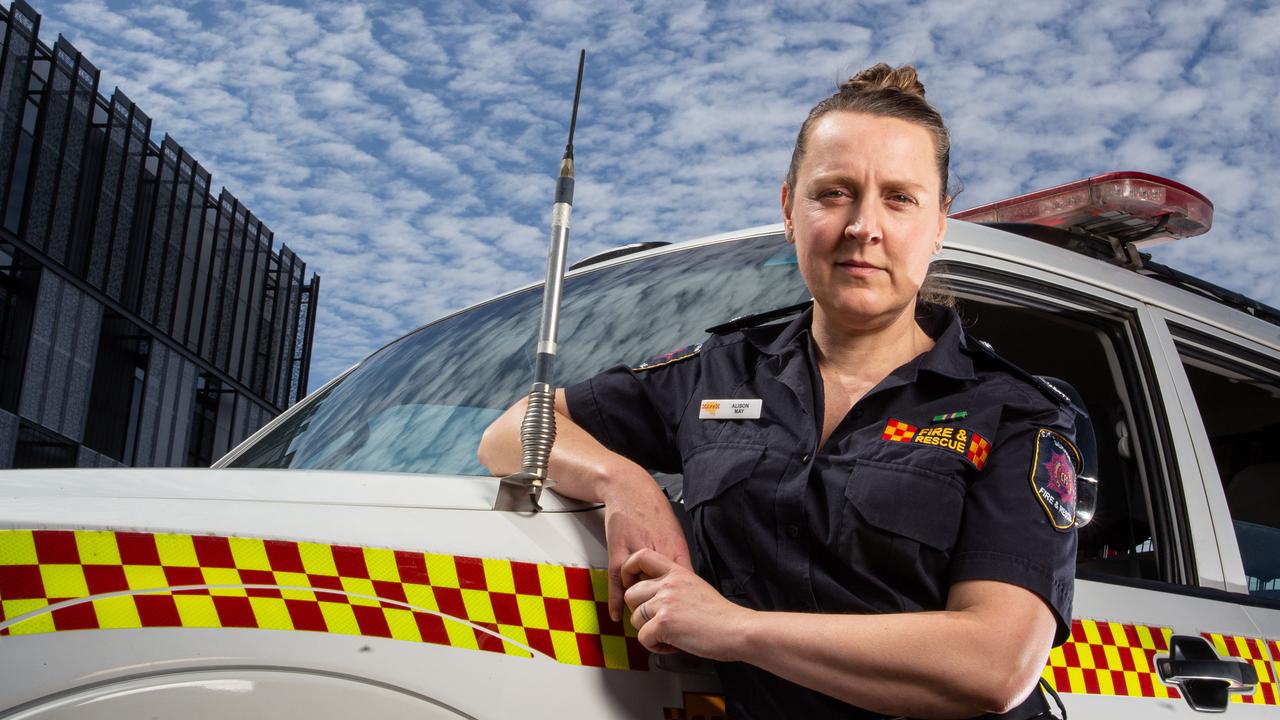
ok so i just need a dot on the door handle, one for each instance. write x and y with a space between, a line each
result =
1206 680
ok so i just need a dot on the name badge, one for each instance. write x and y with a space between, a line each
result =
730 409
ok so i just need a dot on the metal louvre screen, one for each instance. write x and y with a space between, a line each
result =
75 133
224 331
297 338
159 277
15 69
253 325
176 305
215 292
50 133
284 329
244 289
129 233
122 234
111 145
142 284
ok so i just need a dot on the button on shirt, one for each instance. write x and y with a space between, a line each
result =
926 482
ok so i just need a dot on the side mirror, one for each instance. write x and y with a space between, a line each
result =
1086 499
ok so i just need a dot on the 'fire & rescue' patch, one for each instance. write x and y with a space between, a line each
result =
1054 466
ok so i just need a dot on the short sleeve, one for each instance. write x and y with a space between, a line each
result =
635 412
1007 533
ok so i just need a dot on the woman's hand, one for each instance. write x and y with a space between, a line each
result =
674 609
638 517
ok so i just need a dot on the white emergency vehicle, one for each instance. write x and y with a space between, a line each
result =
346 561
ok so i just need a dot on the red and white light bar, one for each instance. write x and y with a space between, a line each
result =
1132 207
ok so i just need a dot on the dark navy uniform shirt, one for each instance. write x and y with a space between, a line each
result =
929 480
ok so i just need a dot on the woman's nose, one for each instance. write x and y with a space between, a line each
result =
864 224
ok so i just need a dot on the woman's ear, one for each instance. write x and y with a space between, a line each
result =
786 214
942 226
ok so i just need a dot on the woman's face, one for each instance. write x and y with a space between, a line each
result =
865 216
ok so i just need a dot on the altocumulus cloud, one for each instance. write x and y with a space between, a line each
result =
405 150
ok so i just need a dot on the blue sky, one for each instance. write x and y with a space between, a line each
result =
407 150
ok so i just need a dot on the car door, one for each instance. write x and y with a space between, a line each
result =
1149 566
1228 384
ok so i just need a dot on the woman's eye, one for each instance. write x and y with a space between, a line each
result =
902 198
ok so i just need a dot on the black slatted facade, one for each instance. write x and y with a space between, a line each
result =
144 319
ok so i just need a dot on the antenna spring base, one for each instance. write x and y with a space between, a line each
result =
538 431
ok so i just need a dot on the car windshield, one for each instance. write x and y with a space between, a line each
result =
421 403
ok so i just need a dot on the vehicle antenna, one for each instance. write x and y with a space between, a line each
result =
538 429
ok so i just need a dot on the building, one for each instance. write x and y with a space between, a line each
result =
144 320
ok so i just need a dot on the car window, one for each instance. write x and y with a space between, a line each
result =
422 403
1238 396
1096 349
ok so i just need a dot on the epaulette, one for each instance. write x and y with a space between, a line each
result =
672 357
1045 387
747 321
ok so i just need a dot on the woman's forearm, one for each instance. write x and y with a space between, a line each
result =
581 467
975 657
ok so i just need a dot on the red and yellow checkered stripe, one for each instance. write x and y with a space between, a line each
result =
1254 650
898 431
979 449
1108 658
53 580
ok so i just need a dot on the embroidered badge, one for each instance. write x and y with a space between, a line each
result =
1054 466
959 440
674 356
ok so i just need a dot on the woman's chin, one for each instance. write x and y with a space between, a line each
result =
862 313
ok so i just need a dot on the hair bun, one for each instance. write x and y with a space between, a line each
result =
883 77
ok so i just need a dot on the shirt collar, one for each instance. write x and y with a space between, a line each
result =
949 355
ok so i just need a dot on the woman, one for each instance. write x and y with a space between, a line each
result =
871 530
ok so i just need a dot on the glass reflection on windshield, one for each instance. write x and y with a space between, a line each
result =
421 404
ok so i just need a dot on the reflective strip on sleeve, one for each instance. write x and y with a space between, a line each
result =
56 580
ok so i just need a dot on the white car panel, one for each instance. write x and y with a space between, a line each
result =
216 672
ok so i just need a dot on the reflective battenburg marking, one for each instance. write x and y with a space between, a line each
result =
1255 650
56 580
1107 658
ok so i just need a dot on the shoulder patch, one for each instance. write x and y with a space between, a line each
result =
1055 464
961 440
674 356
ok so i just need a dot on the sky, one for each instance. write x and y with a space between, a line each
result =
407 150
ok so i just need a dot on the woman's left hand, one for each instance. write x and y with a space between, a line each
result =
674 609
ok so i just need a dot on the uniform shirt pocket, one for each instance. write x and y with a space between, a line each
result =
916 503
898 528
715 495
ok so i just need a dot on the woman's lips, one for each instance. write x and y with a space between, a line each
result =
857 268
